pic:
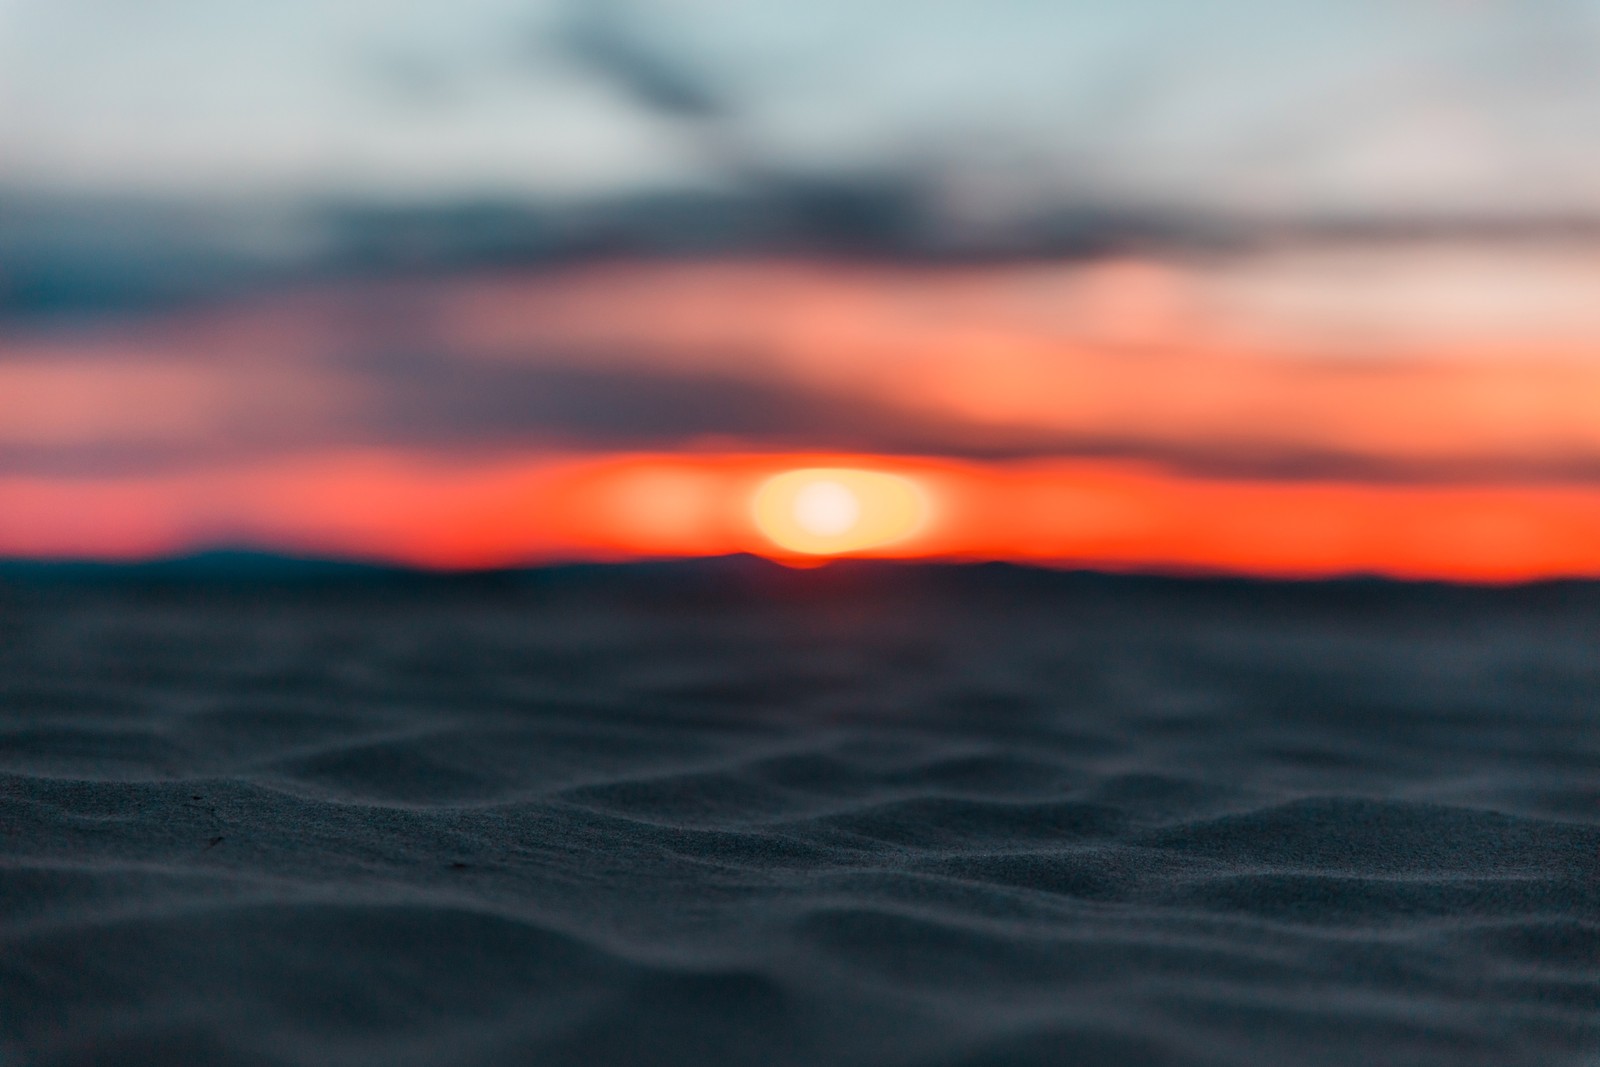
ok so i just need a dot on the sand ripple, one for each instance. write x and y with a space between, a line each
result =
897 817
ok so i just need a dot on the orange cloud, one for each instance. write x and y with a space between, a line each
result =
1210 365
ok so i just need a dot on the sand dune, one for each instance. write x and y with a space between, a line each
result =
866 815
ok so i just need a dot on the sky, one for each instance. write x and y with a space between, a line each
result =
1298 413
1288 289
1365 106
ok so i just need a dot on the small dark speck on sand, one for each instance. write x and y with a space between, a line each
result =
213 843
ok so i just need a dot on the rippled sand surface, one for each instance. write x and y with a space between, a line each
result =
721 814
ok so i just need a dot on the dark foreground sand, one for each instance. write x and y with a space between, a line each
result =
716 814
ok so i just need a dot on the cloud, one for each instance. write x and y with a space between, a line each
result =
439 405
596 33
1321 368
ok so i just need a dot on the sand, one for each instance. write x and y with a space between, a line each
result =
725 814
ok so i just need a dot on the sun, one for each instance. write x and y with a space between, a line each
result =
827 511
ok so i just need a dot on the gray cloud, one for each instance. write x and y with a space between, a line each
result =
597 33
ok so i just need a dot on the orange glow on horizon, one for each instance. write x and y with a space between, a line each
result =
1077 513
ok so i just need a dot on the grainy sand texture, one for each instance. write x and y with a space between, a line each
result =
719 813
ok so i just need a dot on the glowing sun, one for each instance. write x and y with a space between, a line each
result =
824 511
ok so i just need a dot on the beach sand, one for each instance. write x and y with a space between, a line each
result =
723 813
